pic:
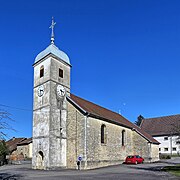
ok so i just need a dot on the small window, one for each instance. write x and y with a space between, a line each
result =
178 142
174 149
159 149
123 137
41 71
61 73
165 149
165 138
103 134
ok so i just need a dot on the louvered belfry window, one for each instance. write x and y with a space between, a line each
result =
60 73
41 71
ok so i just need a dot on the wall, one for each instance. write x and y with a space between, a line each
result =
25 150
75 136
110 153
94 154
155 152
49 116
141 146
145 149
55 66
170 144
30 150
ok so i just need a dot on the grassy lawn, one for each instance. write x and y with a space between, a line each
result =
175 170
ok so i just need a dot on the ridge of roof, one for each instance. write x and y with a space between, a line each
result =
160 126
93 110
26 141
158 117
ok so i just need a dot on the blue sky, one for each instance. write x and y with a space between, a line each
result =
125 54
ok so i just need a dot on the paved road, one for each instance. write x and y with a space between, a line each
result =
124 172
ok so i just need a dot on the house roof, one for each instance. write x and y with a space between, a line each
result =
12 143
25 142
160 126
93 110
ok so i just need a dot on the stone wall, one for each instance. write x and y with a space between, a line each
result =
55 66
140 146
155 152
111 152
96 154
49 116
75 136
145 149
90 148
25 150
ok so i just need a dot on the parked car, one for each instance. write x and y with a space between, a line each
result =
134 159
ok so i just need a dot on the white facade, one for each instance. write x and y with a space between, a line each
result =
169 144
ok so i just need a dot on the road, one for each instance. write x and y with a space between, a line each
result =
122 171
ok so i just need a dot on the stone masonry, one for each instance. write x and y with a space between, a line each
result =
83 139
64 132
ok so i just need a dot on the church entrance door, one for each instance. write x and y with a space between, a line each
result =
40 160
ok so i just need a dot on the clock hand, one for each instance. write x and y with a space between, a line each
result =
62 91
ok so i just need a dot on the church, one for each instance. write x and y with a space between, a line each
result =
71 132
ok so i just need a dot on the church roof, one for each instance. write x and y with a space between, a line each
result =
96 111
52 49
159 126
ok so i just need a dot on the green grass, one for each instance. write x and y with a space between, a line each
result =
175 170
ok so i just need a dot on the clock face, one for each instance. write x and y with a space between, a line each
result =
40 90
60 91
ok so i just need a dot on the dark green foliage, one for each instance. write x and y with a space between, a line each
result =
164 156
3 148
3 153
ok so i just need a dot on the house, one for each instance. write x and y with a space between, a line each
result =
12 144
69 131
12 147
166 130
25 148
19 148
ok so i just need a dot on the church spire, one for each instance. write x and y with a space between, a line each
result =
52 30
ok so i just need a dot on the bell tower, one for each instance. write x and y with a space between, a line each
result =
51 86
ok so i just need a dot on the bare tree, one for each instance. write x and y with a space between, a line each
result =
5 118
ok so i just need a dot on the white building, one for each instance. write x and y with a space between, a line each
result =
169 144
166 130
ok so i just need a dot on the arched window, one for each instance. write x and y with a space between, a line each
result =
103 133
123 137
41 71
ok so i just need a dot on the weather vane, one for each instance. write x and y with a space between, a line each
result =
52 30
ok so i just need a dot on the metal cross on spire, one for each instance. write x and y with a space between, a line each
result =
52 30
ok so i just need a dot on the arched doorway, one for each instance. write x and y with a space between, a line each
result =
40 160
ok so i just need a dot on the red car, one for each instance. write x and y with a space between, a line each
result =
135 159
